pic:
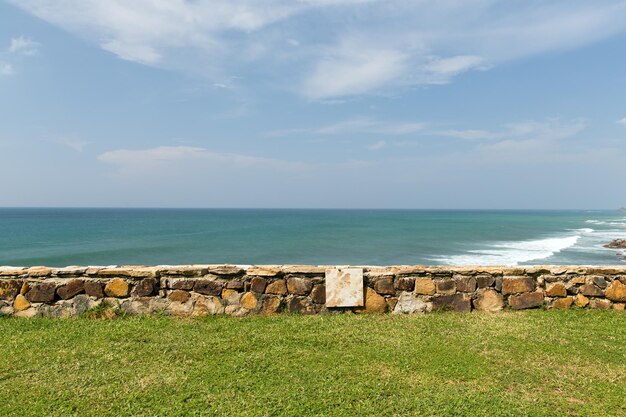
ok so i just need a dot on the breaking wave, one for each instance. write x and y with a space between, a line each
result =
515 252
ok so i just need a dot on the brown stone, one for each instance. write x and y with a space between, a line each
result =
69 271
304 269
600 304
577 280
405 284
445 286
94 289
41 292
300 305
590 290
488 300
599 281
185 270
179 296
424 286
374 303
619 306
563 303
271 304
484 281
278 287
181 283
249 301
460 303
513 285
147 287
9 289
205 305
526 300
571 289
9 271
466 284
208 287
299 286
556 290
227 293
113 272
117 288
258 284
235 284
71 289
264 271
385 285
581 301
616 292
39 272
318 294
20 303
225 270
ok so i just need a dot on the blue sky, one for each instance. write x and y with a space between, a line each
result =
313 103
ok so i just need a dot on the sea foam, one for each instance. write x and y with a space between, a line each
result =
513 252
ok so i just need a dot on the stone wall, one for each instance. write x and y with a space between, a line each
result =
197 290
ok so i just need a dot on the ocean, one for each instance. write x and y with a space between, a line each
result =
59 237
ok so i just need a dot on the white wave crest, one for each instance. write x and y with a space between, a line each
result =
606 223
512 253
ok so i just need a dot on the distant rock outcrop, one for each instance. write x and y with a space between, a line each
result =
616 244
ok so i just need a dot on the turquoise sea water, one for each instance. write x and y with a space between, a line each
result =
59 237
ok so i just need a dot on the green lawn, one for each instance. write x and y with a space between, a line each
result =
522 363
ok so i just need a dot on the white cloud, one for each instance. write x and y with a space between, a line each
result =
353 71
367 46
551 129
377 146
24 46
73 143
443 69
622 121
153 155
6 69
471 134
143 54
137 160
360 125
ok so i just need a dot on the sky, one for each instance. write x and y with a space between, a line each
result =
313 103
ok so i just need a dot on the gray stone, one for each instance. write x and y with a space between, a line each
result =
408 303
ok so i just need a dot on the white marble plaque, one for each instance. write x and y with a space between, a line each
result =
344 287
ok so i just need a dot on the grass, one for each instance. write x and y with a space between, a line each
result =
510 364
